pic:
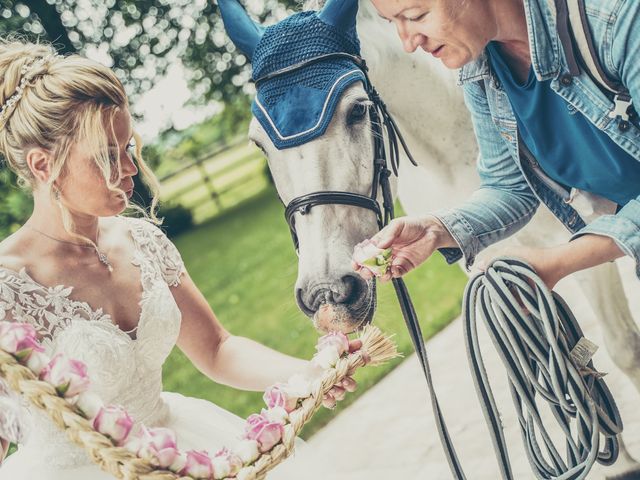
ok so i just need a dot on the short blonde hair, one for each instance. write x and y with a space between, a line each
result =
52 102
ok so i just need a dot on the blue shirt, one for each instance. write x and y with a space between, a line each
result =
511 188
568 147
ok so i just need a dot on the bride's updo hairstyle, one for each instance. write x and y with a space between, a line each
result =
52 102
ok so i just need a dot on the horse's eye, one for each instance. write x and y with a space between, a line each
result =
358 113
260 147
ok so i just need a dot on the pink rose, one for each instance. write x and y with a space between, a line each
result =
334 339
114 422
198 465
263 431
276 396
19 339
157 445
68 376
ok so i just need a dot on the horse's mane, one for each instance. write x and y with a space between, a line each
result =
365 7
313 4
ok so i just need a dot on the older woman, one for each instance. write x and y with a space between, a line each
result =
546 133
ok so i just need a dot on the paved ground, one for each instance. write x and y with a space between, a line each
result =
390 433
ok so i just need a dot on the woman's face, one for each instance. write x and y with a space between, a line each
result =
83 187
455 31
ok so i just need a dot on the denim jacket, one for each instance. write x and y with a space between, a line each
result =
512 182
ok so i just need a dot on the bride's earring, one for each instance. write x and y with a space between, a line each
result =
56 194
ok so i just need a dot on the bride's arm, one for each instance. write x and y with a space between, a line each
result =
231 360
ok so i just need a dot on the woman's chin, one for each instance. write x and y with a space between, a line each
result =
453 61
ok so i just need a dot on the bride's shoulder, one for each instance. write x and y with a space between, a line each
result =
154 244
141 227
14 251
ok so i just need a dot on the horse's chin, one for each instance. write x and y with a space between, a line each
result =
332 317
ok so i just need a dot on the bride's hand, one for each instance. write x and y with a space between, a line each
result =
4 448
347 384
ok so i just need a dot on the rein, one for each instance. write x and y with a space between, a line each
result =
559 383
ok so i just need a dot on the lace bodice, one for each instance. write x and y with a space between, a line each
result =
123 370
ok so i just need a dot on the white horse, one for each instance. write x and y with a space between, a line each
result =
427 104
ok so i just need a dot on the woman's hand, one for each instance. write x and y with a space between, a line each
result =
412 240
347 384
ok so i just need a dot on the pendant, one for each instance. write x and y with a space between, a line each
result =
103 258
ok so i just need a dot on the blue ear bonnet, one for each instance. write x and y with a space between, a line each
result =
297 107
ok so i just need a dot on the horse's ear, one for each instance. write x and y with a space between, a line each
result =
243 31
340 13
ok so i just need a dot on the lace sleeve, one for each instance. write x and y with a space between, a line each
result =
162 250
172 265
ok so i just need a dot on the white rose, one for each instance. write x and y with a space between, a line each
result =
247 450
326 358
298 386
276 414
242 475
179 463
37 361
90 404
221 467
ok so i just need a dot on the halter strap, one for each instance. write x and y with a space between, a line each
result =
304 203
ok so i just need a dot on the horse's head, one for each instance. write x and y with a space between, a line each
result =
312 119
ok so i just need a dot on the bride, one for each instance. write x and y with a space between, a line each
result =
109 290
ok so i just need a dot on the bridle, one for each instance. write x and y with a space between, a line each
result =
381 121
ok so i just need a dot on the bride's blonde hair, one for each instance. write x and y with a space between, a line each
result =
52 102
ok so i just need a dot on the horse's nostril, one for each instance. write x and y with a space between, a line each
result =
306 309
349 289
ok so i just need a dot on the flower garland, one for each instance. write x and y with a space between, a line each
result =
59 385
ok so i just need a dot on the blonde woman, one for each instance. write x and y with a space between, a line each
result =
109 290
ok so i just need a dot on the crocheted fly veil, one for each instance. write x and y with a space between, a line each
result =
297 107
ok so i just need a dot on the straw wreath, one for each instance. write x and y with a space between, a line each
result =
122 463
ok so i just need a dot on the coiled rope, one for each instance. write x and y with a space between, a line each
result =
538 339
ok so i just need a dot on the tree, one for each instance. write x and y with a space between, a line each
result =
140 39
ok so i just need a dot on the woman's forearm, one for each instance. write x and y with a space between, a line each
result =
587 251
247 365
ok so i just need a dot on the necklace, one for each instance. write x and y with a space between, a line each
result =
101 256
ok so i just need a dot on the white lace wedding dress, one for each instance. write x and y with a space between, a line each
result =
123 370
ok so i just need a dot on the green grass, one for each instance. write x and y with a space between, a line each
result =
244 263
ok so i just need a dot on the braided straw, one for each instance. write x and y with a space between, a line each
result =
121 463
